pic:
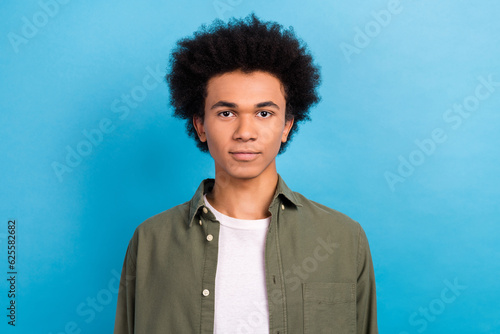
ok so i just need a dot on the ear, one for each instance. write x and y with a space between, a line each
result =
286 130
200 129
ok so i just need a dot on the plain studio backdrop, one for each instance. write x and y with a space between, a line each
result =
405 141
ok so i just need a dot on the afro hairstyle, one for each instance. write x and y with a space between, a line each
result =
247 45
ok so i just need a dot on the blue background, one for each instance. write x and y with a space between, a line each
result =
65 68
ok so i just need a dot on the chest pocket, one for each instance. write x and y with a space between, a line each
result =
329 308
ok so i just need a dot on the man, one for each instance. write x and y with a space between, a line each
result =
246 254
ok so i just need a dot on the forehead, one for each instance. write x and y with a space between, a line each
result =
239 85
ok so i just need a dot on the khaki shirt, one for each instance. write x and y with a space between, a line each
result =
319 272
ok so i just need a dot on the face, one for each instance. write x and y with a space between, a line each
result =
244 123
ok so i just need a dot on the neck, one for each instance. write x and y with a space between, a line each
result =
244 198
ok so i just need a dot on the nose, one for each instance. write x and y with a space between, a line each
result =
245 129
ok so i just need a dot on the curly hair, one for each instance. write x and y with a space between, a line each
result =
248 45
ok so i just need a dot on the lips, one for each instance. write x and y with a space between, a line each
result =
244 155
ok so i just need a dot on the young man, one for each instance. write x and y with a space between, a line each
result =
246 254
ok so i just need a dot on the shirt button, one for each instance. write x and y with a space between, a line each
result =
282 207
205 210
200 222
206 292
210 237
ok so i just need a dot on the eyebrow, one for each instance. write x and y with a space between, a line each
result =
234 105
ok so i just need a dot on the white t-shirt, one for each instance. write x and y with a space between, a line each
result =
241 305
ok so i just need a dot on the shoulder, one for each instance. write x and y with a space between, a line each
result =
155 230
172 218
317 213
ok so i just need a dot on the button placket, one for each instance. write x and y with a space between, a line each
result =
275 286
210 233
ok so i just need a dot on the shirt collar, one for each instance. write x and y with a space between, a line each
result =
197 202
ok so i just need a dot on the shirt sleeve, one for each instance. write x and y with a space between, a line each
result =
366 299
125 309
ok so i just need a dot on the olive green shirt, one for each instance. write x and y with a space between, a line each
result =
319 272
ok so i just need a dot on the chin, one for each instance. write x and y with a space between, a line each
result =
241 173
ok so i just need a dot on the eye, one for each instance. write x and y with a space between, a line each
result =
225 113
265 113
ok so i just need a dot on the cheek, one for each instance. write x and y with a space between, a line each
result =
215 141
272 134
